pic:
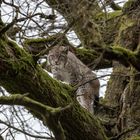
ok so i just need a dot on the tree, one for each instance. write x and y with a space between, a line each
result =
109 38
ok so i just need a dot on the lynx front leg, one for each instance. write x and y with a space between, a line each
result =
85 97
86 103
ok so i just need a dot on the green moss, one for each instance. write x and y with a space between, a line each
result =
21 57
126 22
101 129
42 40
41 46
114 14
14 55
123 51
102 16
135 137
127 32
2 49
55 39
128 4
86 55
128 56
64 91
103 101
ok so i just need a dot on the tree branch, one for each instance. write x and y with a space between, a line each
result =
49 114
113 5
8 26
24 132
124 56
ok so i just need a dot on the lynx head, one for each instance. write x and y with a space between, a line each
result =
57 56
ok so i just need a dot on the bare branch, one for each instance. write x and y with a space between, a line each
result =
24 132
8 26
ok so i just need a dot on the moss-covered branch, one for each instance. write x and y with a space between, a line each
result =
23 100
40 46
48 113
122 55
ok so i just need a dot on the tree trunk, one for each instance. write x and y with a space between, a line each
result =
124 85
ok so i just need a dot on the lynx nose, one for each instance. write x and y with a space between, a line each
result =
57 63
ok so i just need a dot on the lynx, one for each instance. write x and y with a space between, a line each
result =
65 66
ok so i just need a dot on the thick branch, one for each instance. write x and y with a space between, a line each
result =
120 54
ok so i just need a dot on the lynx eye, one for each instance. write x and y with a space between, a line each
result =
51 59
62 57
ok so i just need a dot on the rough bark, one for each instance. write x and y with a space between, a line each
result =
123 89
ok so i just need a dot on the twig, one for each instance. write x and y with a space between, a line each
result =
24 132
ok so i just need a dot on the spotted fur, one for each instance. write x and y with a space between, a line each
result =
65 66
